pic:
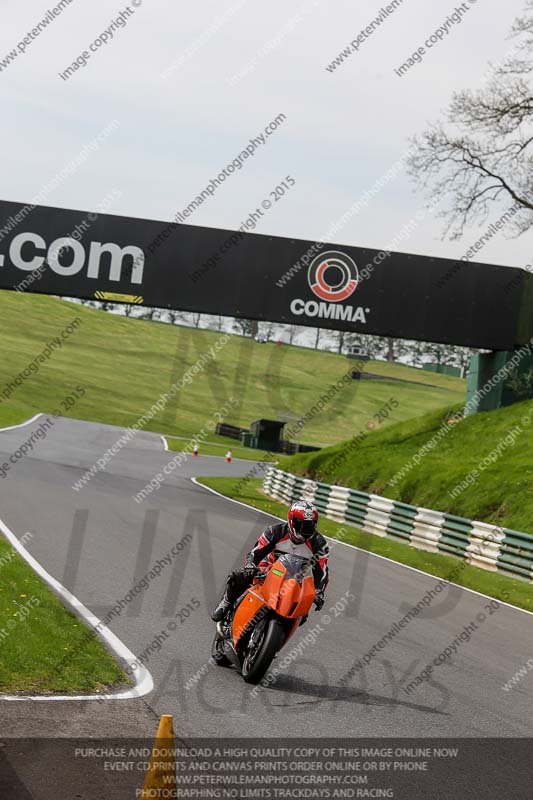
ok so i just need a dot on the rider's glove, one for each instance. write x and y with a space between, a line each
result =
319 600
250 570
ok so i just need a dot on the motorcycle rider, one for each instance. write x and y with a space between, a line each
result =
299 535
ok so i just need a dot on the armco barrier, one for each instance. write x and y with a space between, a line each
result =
482 545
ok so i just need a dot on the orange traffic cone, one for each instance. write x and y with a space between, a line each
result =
160 779
228 457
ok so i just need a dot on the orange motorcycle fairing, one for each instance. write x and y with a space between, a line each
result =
295 601
279 592
249 606
285 595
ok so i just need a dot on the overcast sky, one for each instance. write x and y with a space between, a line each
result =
191 84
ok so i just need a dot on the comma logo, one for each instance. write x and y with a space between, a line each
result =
333 276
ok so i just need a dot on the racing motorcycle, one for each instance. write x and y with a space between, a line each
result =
265 617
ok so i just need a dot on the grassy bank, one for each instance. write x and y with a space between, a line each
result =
125 365
38 638
384 463
512 591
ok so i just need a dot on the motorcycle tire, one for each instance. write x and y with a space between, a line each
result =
255 668
217 652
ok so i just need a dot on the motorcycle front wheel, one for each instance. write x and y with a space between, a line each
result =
260 655
217 652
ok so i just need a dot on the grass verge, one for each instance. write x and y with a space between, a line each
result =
516 592
215 449
39 653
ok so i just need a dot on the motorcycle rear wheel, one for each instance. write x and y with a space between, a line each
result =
256 664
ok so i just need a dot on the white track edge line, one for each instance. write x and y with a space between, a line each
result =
369 552
22 424
143 679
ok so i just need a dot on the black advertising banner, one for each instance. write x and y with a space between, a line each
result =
230 273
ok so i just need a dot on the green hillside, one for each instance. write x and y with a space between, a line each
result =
382 462
125 365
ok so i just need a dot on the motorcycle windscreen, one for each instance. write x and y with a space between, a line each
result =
287 588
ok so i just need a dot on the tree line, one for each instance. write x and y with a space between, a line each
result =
378 347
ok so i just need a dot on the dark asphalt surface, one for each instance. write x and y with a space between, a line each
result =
310 698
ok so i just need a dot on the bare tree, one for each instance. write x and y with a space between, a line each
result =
345 339
292 330
148 313
340 338
436 353
247 327
460 357
101 305
213 322
482 154
267 329
416 353
175 317
92 304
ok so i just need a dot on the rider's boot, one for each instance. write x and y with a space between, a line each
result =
221 610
